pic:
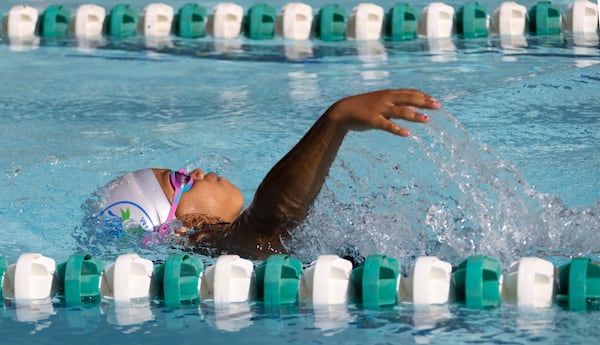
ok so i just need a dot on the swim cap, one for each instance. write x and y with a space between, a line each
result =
137 199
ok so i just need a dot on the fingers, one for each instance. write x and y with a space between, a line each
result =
407 113
411 97
394 128
404 104
376 110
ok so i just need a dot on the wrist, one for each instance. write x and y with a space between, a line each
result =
335 116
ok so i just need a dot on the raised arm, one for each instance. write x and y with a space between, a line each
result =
287 192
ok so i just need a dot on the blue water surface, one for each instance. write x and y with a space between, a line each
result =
508 168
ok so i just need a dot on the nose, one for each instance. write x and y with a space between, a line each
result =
197 174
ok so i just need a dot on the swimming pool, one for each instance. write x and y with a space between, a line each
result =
509 168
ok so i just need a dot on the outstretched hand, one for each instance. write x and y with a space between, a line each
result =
376 110
289 189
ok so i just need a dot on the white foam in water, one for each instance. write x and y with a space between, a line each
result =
497 212
446 195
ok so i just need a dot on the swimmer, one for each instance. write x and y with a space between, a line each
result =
210 207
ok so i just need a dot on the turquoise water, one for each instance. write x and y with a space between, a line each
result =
509 168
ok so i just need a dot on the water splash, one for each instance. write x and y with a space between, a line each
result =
442 193
446 195
94 237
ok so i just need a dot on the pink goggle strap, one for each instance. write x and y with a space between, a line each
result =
181 182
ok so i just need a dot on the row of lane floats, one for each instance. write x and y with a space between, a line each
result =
296 21
281 280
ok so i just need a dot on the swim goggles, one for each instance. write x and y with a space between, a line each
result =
181 182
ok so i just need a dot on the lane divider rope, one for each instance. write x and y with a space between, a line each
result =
477 282
296 21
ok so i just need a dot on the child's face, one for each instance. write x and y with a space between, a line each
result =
210 194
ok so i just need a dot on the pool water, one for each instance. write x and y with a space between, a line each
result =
508 168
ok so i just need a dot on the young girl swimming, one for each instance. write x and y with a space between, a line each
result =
210 207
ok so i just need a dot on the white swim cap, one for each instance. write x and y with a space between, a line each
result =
137 199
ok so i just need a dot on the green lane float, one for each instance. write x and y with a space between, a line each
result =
190 21
278 278
331 23
54 22
79 279
544 18
376 281
401 23
2 272
478 282
472 20
179 280
122 21
259 22
579 284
